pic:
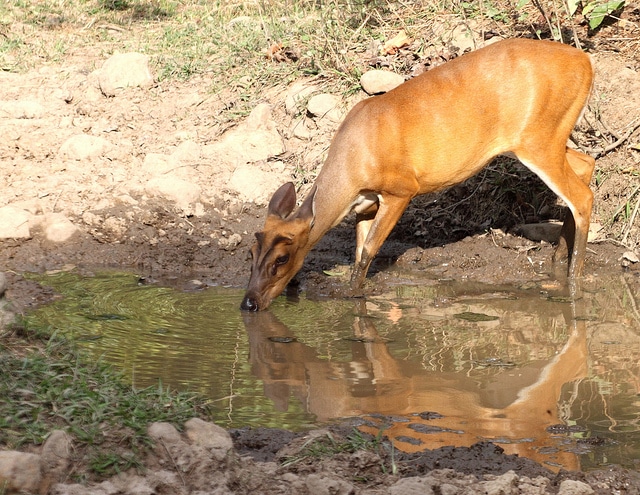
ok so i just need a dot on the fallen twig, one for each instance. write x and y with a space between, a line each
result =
621 139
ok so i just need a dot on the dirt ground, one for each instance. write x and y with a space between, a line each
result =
467 232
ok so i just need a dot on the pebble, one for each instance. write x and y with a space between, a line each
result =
380 81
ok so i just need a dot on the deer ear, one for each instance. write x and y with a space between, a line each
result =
283 201
307 209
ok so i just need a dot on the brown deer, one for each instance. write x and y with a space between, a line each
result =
515 97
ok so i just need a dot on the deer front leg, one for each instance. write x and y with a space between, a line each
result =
378 229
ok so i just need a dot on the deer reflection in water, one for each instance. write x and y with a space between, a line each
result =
514 409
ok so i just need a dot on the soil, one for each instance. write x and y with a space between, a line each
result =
467 232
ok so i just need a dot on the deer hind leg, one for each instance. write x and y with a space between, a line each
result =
567 173
571 244
377 230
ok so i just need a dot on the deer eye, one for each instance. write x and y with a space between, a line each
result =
281 260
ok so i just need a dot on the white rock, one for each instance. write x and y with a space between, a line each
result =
116 227
463 38
104 488
157 164
180 191
256 139
165 432
411 486
252 184
33 205
84 146
325 106
22 109
260 118
323 485
300 130
573 487
19 472
187 152
380 81
56 455
209 436
296 94
230 243
630 256
124 70
14 223
506 484
57 227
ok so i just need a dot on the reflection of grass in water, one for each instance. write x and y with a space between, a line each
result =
452 328
190 341
88 303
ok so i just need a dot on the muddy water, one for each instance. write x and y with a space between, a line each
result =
542 375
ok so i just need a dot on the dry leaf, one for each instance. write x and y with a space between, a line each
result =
392 46
273 50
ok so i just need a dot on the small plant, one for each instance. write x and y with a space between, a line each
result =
328 445
595 11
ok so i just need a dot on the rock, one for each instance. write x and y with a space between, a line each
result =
230 243
323 485
594 231
56 452
412 486
296 94
256 139
116 227
543 231
19 472
83 147
251 183
14 223
630 257
164 432
55 457
325 106
260 118
463 39
57 227
104 488
506 484
32 206
133 484
22 109
183 193
300 130
573 487
187 152
209 436
158 164
380 81
122 71
184 457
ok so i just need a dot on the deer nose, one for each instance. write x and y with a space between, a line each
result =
249 304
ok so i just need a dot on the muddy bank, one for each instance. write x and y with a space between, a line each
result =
206 459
